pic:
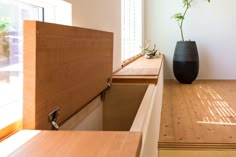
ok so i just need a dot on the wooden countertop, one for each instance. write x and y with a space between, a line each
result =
72 144
141 70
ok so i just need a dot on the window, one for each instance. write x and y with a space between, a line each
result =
12 14
131 24
11 57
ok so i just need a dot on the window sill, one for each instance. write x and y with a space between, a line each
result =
10 130
130 60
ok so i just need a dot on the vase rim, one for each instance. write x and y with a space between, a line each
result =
192 41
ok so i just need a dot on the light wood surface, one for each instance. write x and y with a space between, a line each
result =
130 60
141 70
10 129
72 144
134 79
201 115
151 124
90 117
64 67
142 114
199 153
121 104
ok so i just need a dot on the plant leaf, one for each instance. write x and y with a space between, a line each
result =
178 17
4 23
187 3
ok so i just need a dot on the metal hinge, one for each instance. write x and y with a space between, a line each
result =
52 118
103 94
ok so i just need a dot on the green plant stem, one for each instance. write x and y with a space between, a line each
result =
182 21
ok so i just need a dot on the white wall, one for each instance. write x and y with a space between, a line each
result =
100 15
212 26
63 13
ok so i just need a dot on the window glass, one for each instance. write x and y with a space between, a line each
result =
131 22
12 15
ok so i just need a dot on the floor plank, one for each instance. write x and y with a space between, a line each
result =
200 113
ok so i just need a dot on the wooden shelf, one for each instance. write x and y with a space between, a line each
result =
141 70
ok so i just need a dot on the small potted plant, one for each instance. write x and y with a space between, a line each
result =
186 60
150 53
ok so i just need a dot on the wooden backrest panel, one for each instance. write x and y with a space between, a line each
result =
64 67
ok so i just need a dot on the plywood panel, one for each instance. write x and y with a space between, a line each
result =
64 67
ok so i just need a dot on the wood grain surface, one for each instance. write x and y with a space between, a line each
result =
72 144
141 70
199 115
10 129
198 153
64 67
142 67
135 79
121 104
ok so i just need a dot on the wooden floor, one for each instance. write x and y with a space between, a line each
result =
202 115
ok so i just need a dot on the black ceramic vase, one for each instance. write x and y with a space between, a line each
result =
186 61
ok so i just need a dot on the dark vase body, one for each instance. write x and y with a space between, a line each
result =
186 62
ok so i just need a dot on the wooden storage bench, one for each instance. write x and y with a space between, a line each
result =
69 70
